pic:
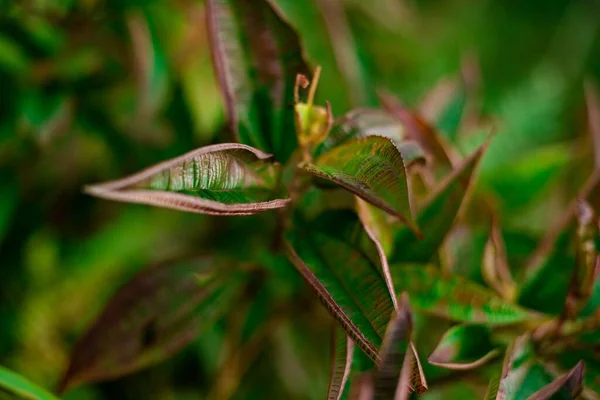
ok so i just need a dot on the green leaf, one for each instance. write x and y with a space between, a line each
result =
454 297
152 317
494 265
257 56
342 355
364 122
223 179
521 375
437 215
464 347
567 386
20 388
337 259
371 168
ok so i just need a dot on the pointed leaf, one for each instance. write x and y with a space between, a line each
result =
522 375
338 260
437 215
371 168
376 223
420 131
257 56
152 317
222 179
341 363
364 122
587 260
495 269
454 297
395 346
464 347
567 386
17 386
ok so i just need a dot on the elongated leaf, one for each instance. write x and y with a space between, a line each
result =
150 318
377 223
593 109
419 130
17 386
437 215
454 297
371 168
341 362
223 179
338 260
464 347
395 347
257 56
567 386
587 260
495 269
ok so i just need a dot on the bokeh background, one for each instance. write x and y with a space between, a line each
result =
92 90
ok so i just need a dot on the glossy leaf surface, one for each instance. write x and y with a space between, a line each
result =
222 179
152 317
337 259
453 297
371 168
257 56
464 347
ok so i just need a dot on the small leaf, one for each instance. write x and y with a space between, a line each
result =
222 179
17 386
149 319
464 347
257 56
437 215
339 261
567 386
421 132
371 168
495 269
593 109
454 297
587 260
341 362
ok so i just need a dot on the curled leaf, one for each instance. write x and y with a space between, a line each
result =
371 168
567 386
495 269
464 347
152 317
257 57
587 260
222 179
341 363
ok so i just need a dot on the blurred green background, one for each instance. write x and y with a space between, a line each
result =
92 90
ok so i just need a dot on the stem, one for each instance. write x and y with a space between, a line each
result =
313 86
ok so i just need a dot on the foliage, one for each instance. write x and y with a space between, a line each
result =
448 248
